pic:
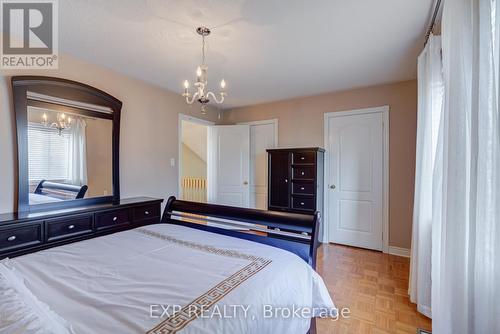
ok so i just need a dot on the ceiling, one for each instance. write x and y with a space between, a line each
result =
266 50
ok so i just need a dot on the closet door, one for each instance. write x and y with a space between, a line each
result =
228 165
279 180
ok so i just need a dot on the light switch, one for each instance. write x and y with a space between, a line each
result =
172 162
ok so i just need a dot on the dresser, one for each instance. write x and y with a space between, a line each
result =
22 233
296 179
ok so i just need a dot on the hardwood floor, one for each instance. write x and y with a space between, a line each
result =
374 286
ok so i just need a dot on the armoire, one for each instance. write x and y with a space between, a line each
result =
296 179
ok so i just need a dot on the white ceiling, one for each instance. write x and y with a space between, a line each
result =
266 50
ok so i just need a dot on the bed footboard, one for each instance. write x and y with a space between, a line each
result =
297 233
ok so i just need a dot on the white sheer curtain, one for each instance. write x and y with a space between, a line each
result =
430 104
78 153
466 195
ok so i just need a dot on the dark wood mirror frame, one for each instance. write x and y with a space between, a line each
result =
69 90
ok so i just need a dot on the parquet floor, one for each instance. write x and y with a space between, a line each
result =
374 286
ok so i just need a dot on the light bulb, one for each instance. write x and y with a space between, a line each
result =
223 84
44 117
186 84
63 116
198 71
69 120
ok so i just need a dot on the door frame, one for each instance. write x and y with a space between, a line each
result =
184 117
384 110
274 122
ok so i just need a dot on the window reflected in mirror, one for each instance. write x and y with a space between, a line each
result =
69 156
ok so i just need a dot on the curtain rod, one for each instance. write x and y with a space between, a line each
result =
433 21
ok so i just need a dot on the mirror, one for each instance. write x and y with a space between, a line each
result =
67 143
69 156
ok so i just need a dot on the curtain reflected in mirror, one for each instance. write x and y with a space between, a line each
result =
69 155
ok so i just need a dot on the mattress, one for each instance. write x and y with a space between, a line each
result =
42 199
173 279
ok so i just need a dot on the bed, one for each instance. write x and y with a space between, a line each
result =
174 277
42 199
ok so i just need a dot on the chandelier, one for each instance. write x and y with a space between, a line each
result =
62 122
202 95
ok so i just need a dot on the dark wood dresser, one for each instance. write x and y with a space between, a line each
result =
296 179
22 233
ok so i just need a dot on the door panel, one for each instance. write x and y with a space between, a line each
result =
229 160
355 143
262 137
279 176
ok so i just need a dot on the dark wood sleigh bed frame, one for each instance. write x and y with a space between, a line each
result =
296 233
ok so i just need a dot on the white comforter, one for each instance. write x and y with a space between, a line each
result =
123 282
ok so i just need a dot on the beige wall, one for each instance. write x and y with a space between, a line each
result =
148 130
301 124
192 164
99 147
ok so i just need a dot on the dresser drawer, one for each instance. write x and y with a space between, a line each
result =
303 157
304 203
146 212
303 188
113 218
20 236
303 173
68 227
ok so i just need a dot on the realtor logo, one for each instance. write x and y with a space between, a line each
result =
30 34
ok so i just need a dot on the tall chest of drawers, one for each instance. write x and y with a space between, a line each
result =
296 179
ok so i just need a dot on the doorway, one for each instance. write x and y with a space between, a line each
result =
193 158
357 178
225 164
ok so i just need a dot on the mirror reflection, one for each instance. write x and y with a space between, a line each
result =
69 155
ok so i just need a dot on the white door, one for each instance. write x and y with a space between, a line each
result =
262 137
228 165
355 181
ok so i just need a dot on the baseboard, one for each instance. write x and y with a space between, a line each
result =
404 252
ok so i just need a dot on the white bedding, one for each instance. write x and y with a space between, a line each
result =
113 284
42 199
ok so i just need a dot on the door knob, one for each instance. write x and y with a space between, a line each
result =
245 183
332 186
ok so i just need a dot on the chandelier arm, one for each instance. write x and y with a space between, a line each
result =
219 101
193 98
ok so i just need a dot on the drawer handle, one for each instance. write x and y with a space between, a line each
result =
70 227
11 238
146 213
301 203
302 188
115 219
